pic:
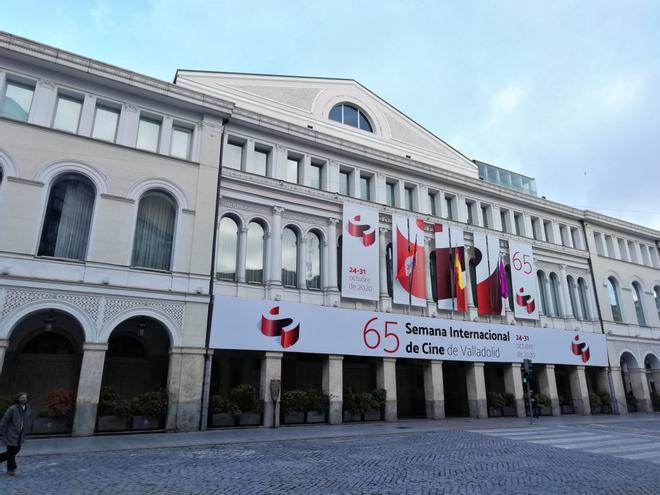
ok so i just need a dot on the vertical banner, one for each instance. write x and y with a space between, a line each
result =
359 253
487 257
408 264
450 268
523 281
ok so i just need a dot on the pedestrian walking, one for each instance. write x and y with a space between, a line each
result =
535 405
16 422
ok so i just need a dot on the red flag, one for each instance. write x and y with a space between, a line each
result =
459 283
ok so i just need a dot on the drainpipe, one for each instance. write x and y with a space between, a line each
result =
206 379
614 402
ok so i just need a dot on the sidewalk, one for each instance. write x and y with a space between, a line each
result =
49 446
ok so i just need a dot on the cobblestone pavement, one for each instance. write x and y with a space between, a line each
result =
447 462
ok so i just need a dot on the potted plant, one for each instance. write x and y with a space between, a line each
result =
149 410
545 405
566 405
316 406
113 412
495 402
292 406
222 411
605 403
57 417
509 408
631 402
351 411
374 408
247 405
595 403
364 401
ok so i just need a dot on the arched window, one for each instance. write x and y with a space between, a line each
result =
68 217
613 295
571 295
584 297
154 231
254 260
637 299
227 249
289 258
339 262
554 293
313 261
350 115
388 263
540 277
656 296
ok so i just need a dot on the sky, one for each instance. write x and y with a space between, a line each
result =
567 92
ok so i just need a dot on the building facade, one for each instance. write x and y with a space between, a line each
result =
110 190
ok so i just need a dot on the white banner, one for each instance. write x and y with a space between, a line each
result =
255 324
523 281
408 261
359 253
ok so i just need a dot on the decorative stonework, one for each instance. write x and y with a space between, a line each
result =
240 206
15 298
117 305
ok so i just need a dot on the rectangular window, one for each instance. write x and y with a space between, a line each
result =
536 228
469 206
67 114
105 123
148 134
563 231
633 252
365 189
575 238
547 228
600 246
503 220
518 221
292 170
409 198
433 207
485 215
449 203
17 101
181 139
315 174
344 179
259 162
233 156
390 190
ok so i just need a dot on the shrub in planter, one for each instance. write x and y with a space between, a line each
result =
247 404
631 402
222 413
379 397
605 398
545 404
495 402
316 406
509 408
595 402
113 411
149 409
60 403
351 412
293 405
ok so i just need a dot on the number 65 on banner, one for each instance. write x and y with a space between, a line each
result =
370 333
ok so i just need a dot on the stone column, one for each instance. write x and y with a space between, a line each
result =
276 247
580 391
386 378
87 114
302 262
548 386
640 389
271 369
4 343
242 253
184 391
476 390
513 385
621 407
332 269
89 389
333 387
434 391
383 262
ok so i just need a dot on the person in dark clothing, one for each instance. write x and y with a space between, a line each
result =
535 405
16 422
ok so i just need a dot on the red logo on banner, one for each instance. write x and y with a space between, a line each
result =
275 325
580 348
363 230
526 301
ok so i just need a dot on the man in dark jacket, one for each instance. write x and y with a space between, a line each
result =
16 422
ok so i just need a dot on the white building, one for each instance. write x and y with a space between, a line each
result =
114 152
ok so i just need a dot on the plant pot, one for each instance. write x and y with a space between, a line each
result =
494 412
315 417
50 426
372 415
222 419
508 411
145 423
567 409
596 409
606 409
545 411
249 419
112 423
352 416
293 417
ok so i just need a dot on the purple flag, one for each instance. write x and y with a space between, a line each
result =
504 288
